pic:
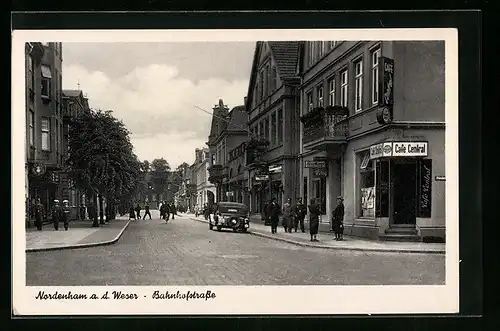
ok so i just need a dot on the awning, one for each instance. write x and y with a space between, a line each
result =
46 72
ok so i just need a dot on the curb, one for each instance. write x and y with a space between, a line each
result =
101 243
303 244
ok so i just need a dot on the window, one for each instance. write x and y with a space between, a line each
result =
322 48
45 134
280 127
31 78
45 44
46 77
261 86
273 78
273 129
332 44
375 57
261 129
311 52
266 128
31 121
331 92
367 186
265 81
319 91
344 82
358 102
309 100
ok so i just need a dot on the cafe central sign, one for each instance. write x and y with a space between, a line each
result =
399 149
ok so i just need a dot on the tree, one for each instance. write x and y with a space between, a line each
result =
159 176
101 159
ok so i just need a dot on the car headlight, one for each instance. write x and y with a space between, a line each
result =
233 221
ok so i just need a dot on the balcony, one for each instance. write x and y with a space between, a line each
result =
216 174
255 148
323 127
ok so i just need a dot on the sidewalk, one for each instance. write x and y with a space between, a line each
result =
327 241
81 234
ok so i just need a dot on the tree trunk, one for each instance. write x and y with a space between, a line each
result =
95 222
101 211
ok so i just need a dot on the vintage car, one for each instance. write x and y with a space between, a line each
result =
232 215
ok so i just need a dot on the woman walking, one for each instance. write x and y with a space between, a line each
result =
313 219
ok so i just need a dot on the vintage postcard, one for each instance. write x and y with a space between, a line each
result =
208 172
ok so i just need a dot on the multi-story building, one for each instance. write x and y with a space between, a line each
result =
229 130
204 189
237 182
373 132
44 150
73 104
273 111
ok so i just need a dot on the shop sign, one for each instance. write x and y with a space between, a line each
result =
229 194
275 168
440 178
380 150
314 164
425 188
386 82
38 169
260 178
320 172
409 149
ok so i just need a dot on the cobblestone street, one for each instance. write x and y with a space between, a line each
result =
185 252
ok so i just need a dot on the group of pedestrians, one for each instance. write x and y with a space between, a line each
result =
166 210
59 213
293 216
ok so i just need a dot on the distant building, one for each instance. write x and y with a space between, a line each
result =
44 150
205 191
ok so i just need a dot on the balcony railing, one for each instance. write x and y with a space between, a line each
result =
327 125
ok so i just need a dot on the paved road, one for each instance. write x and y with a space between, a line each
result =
185 252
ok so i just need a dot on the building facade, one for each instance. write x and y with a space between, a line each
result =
237 181
228 132
373 131
205 191
44 150
272 161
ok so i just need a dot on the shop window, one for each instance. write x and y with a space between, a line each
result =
367 186
319 192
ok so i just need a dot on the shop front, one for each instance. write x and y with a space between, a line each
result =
394 192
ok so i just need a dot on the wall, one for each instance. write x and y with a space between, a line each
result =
419 81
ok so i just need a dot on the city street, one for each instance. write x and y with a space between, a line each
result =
185 252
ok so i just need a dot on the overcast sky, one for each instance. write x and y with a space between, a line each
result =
153 88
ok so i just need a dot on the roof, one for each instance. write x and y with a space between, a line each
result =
285 55
238 119
72 93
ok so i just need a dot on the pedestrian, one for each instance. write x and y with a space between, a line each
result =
131 213
39 214
56 214
146 211
138 211
313 219
167 211
300 214
160 208
338 219
173 210
274 215
265 213
65 210
288 215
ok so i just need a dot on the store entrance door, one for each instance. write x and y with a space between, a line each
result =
405 192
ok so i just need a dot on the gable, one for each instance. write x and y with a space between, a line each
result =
264 54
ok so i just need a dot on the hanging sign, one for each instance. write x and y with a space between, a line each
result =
380 150
320 172
425 187
314 164
275 168
38 169
385 90
440 178
260 178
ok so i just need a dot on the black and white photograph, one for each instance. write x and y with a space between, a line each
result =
235 171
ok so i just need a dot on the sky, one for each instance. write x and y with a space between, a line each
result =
154 88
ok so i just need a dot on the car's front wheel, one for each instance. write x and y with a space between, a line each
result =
219 228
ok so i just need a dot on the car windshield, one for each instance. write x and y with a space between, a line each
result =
233 209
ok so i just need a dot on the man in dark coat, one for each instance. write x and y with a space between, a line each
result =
274 215
39 214
265 213
131 213
173 210
313 219
300 214
138 212
146 211
56 213
338 219
288 214
65 211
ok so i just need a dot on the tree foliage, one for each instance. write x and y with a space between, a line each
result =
101 158
159 175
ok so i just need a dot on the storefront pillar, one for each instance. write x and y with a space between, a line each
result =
333 187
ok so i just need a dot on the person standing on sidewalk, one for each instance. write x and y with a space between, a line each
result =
338 219
265 213
300 214
288 216
131 213
65 214
138 211
274 215
146 211
39 214
313 219
174 211
56 213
